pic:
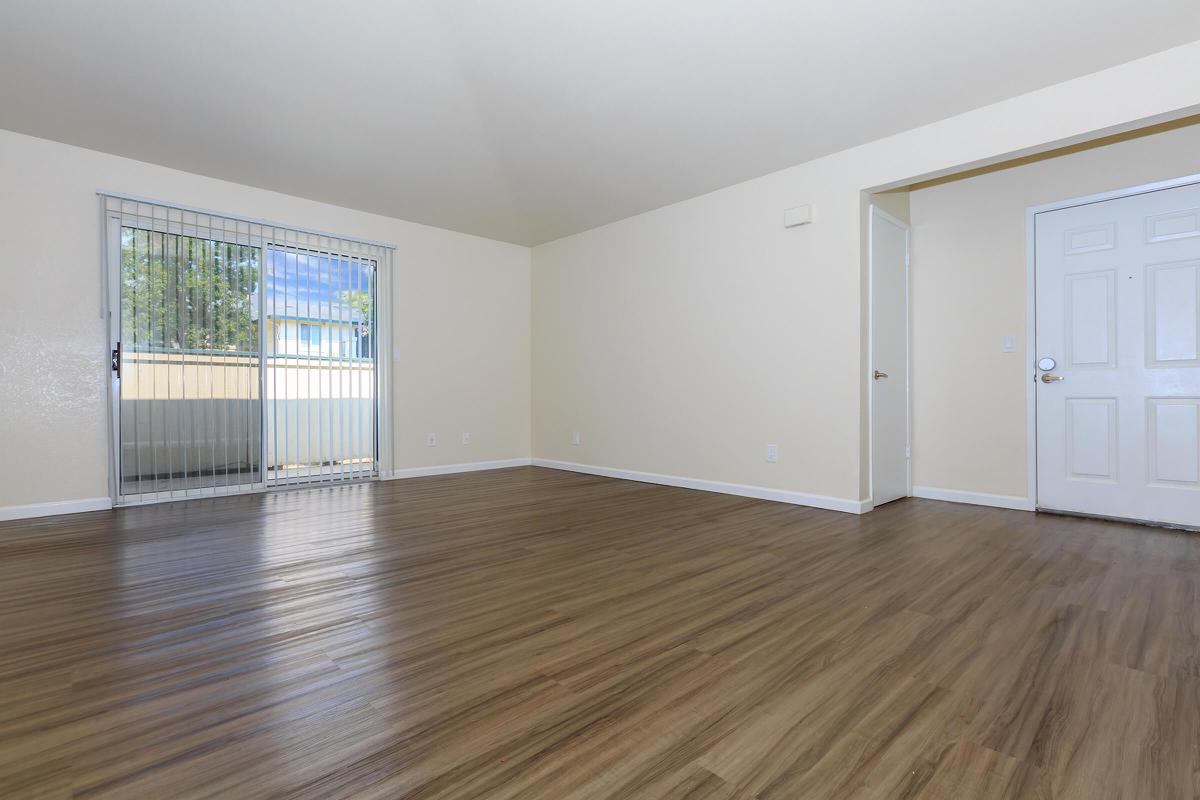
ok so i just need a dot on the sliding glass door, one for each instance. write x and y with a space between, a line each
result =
320 366
244 356
189 406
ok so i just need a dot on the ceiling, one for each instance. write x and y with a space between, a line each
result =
527 120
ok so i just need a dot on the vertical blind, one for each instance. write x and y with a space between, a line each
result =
248 352
320 380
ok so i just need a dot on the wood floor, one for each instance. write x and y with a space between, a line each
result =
529 633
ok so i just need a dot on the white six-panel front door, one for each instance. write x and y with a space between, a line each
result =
1118 311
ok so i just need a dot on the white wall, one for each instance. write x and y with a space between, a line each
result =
460 305
969 291
683 340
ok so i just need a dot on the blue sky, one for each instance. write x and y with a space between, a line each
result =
303 285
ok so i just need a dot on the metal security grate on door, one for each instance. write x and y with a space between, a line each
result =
320 380
245 355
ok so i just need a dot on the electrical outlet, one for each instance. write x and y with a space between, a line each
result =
575 438
466 438
772 453
431 440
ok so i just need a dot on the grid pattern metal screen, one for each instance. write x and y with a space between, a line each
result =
248 353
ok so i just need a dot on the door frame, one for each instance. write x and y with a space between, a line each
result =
1031 302
872 212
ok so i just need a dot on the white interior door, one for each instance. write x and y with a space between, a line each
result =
889 358
1118 302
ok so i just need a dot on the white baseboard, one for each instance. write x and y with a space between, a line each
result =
974 498
450 469
55 508
758 492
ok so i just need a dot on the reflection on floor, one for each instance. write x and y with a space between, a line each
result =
528 633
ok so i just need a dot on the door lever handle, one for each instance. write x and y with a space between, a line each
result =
879 374
1048 378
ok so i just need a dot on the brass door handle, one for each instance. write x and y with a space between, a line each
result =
1048 378
879 374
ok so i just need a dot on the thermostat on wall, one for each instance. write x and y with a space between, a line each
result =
800 215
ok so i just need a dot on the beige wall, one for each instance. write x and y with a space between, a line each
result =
679 342
460 333
895 203
969 291
683 340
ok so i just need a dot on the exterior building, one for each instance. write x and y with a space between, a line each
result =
319 337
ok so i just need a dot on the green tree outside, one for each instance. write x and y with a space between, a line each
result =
184 292
360 301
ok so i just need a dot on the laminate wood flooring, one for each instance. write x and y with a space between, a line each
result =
529 633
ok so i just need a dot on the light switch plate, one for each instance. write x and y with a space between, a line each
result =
1008 344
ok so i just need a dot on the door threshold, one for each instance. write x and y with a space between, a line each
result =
133 501
1174 526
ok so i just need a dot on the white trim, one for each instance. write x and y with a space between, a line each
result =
450 469
872 212
55 508
1116 194
758 492
1031 304
974 498
1031 356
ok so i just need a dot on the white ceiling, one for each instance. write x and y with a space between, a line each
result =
526 120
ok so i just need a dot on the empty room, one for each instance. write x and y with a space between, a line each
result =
581 400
